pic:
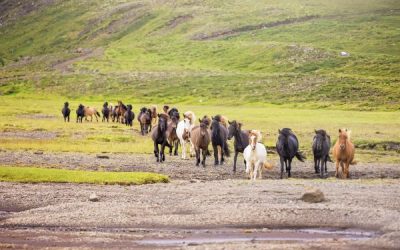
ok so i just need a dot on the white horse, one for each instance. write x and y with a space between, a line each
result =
183 132
255 156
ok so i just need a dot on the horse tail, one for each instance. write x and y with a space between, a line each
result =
226 149
98 114
300 156
268 165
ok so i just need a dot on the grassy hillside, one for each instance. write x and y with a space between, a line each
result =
214 52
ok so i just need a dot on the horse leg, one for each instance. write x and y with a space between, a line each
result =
321 163
337 169
347 169
215 148
176 147
203 162
222 154
141 128
162 155
315 164
234 160
343 170
197 151
290 167
156 151
281 159
183 147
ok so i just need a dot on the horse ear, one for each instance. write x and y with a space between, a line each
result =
240 125
346 129
200 120
229 122
279 131
340 130
212 117
158 115
315 130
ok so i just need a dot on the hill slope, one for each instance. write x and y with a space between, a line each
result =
194 51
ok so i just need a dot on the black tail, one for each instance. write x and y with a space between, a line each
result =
300 156
98 114
227 152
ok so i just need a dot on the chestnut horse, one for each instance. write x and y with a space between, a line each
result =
120 111
343 152
201 138
88 111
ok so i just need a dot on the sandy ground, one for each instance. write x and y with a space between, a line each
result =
207 208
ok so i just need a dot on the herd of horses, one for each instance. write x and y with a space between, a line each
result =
169 131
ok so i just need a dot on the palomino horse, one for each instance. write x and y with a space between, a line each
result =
120 111
159 136
90 112
219 136
288 147
66 111
153 115
343 152
183 131
241 139
321 146
200 137
255 156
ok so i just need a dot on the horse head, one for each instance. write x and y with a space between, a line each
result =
234 128
343 138
105 105
203 129
254 138
66 104
319 139
162 122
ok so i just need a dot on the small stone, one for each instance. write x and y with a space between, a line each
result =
103 156
313 196
38 152
344 53
93 197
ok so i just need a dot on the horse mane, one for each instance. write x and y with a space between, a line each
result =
256 133
105 104
143 110
286 132
163 116
321 132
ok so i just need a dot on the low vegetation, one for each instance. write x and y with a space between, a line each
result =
36 175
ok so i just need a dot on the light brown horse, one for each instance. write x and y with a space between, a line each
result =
88 111
201 138
343 153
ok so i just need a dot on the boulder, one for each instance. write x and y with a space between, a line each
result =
313 196
93 197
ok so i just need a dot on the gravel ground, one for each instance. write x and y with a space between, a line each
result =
177 168
203 203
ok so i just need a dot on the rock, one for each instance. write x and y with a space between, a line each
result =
313 196
344 53
38 152
103 156
93 197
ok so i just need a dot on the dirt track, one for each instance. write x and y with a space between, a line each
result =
200 204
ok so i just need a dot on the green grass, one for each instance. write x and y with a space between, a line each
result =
372 127
146 59
42 175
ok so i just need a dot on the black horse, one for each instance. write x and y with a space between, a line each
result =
66 111
80 113
106 112
174 113
219 136
241 139
288 147
129 115
159 136
321 146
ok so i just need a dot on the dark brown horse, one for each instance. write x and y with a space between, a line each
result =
144 119
172 137
241 139
120 111
66 111
219 136
159 137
